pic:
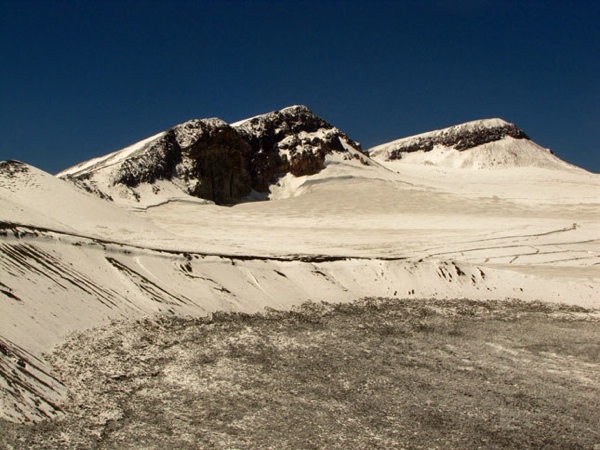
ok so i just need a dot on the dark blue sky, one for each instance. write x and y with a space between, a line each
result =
84 78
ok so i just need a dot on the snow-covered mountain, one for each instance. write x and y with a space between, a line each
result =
344 226
215 161
481 144
209 160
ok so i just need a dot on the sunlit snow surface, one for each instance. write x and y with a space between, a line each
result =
410 228
112 158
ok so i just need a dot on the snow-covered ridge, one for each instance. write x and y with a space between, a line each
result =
460 137
111 158
480 144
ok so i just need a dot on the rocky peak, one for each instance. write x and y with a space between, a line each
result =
193 130
293 140
215 162
211 159
278 124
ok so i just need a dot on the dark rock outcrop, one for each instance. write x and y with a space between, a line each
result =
156 163
480 136
292 140
85 183
11 167
459 138
216 161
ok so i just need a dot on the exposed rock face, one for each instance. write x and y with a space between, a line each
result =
291 140
158 161
460 137
216 161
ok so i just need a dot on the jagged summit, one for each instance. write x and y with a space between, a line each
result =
479 144
216 161
290 111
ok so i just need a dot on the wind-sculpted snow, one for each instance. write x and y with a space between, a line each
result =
28 390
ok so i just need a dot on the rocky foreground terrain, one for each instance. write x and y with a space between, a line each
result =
379 373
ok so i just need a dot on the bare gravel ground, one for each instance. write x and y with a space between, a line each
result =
377 373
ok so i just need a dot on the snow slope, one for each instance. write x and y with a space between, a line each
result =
29 196
112 158
401 228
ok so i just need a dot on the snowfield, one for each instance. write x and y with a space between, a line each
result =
503 220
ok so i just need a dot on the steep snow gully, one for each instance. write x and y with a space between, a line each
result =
475 211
